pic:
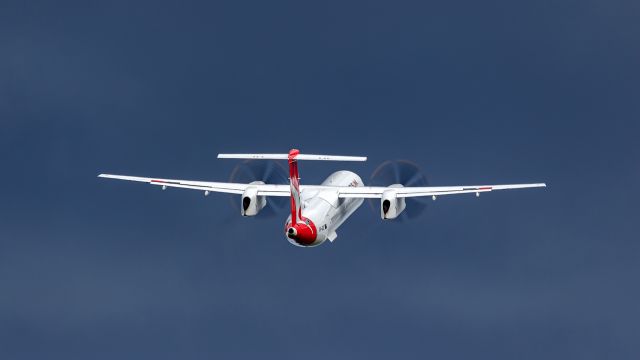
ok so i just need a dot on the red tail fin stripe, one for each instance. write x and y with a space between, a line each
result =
294 180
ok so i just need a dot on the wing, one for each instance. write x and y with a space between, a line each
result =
343 191
230 188
404 192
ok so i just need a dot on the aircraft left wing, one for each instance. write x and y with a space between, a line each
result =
405 192
222 187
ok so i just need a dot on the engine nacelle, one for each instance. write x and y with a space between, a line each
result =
251 203
390 205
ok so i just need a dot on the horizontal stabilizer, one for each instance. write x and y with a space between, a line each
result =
297 157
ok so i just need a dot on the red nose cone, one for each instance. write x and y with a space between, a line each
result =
302 233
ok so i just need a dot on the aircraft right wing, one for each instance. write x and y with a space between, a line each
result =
405 192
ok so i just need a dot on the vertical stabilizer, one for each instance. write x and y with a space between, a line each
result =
294 180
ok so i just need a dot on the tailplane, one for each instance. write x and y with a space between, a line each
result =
297 157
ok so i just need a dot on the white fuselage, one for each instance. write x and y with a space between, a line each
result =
325 209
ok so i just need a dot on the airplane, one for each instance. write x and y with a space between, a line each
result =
318 210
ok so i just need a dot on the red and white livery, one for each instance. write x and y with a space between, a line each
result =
317 210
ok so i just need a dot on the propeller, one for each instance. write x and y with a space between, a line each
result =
268 171
403 172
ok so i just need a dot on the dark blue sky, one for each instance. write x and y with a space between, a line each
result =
474 92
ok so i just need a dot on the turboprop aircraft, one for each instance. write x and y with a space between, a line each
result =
318 210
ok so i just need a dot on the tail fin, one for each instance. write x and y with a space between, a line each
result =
294 179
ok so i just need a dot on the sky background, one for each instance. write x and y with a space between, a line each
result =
473 92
